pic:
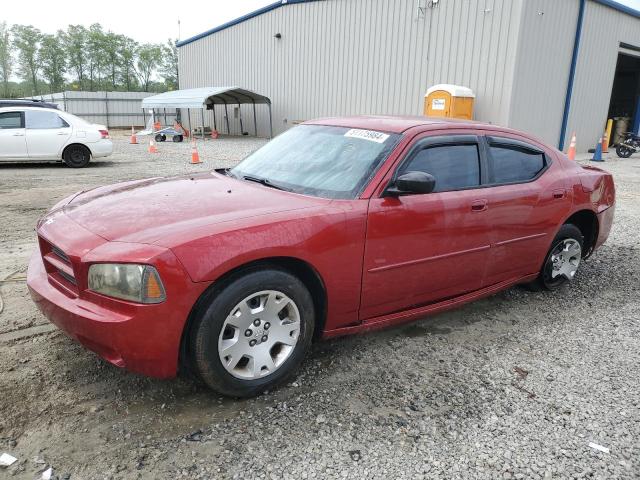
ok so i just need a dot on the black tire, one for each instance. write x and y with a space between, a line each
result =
544 280
177 138
77 156
208 323
623 151
159 138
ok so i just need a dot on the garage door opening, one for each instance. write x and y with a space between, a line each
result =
625 96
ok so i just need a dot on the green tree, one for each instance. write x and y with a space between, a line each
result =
75 40
112 47
128 49
96 54
26 40
169 66
149 58
6 60
52 58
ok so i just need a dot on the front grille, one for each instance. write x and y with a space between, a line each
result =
61 254
59 268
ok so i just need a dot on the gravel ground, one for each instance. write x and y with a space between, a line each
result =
514 386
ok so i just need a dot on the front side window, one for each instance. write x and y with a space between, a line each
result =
10 120
319 160
455 167
511 165
42 119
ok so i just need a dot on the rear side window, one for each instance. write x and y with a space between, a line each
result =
512 165
10 120
42 119
454 167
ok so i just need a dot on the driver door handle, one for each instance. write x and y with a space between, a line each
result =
479 205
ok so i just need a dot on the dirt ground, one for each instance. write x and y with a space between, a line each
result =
514 386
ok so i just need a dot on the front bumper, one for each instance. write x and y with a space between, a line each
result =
141 338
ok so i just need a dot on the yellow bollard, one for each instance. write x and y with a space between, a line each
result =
607 136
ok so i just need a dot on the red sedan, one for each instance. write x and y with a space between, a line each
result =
335 227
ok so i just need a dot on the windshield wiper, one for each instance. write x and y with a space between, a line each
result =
264 181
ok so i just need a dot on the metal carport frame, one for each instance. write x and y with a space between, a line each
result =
207 98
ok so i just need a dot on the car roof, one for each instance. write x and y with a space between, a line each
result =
393 124
23 102
28 107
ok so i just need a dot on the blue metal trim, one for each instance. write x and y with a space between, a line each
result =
620 7
244 18
572 75
636 120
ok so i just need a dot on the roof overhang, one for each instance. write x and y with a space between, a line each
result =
204 98
244 18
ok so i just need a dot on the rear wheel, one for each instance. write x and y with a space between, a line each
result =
253 334
177 138
77 156
623 151
562 260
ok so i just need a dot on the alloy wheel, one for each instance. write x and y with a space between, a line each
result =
259 334
565 259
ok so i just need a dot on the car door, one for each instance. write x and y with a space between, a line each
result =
13 145
527 200
424 248
46 134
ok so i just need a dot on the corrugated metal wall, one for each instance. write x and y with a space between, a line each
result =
603 30
544 53
113 109
342 57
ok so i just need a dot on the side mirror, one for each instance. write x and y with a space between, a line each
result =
412 182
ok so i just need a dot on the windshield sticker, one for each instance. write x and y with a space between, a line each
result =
370 135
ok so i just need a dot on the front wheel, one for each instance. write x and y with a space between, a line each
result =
253 334
623 151
562 260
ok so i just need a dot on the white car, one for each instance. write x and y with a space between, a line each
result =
44 134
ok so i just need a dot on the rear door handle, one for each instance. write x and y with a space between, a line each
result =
479 205
18 134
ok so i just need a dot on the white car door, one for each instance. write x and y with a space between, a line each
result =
13 144
47 133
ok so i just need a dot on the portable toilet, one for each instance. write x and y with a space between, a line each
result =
445 100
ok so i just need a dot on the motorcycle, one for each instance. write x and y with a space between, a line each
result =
628 146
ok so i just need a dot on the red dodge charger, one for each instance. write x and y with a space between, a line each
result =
335 227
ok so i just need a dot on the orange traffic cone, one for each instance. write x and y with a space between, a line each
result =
152 146
572 148
157 126
134 139
195 156
605 142
214 134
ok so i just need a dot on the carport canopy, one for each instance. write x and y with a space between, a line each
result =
207 98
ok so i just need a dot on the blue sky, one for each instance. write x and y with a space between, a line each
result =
144 21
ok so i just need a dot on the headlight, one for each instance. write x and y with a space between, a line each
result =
138 283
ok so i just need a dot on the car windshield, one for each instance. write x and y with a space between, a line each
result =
319 160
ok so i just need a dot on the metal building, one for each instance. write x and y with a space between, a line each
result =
549 67
113 109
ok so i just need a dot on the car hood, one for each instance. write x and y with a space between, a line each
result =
156 209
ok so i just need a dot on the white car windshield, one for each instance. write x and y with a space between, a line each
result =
319 160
